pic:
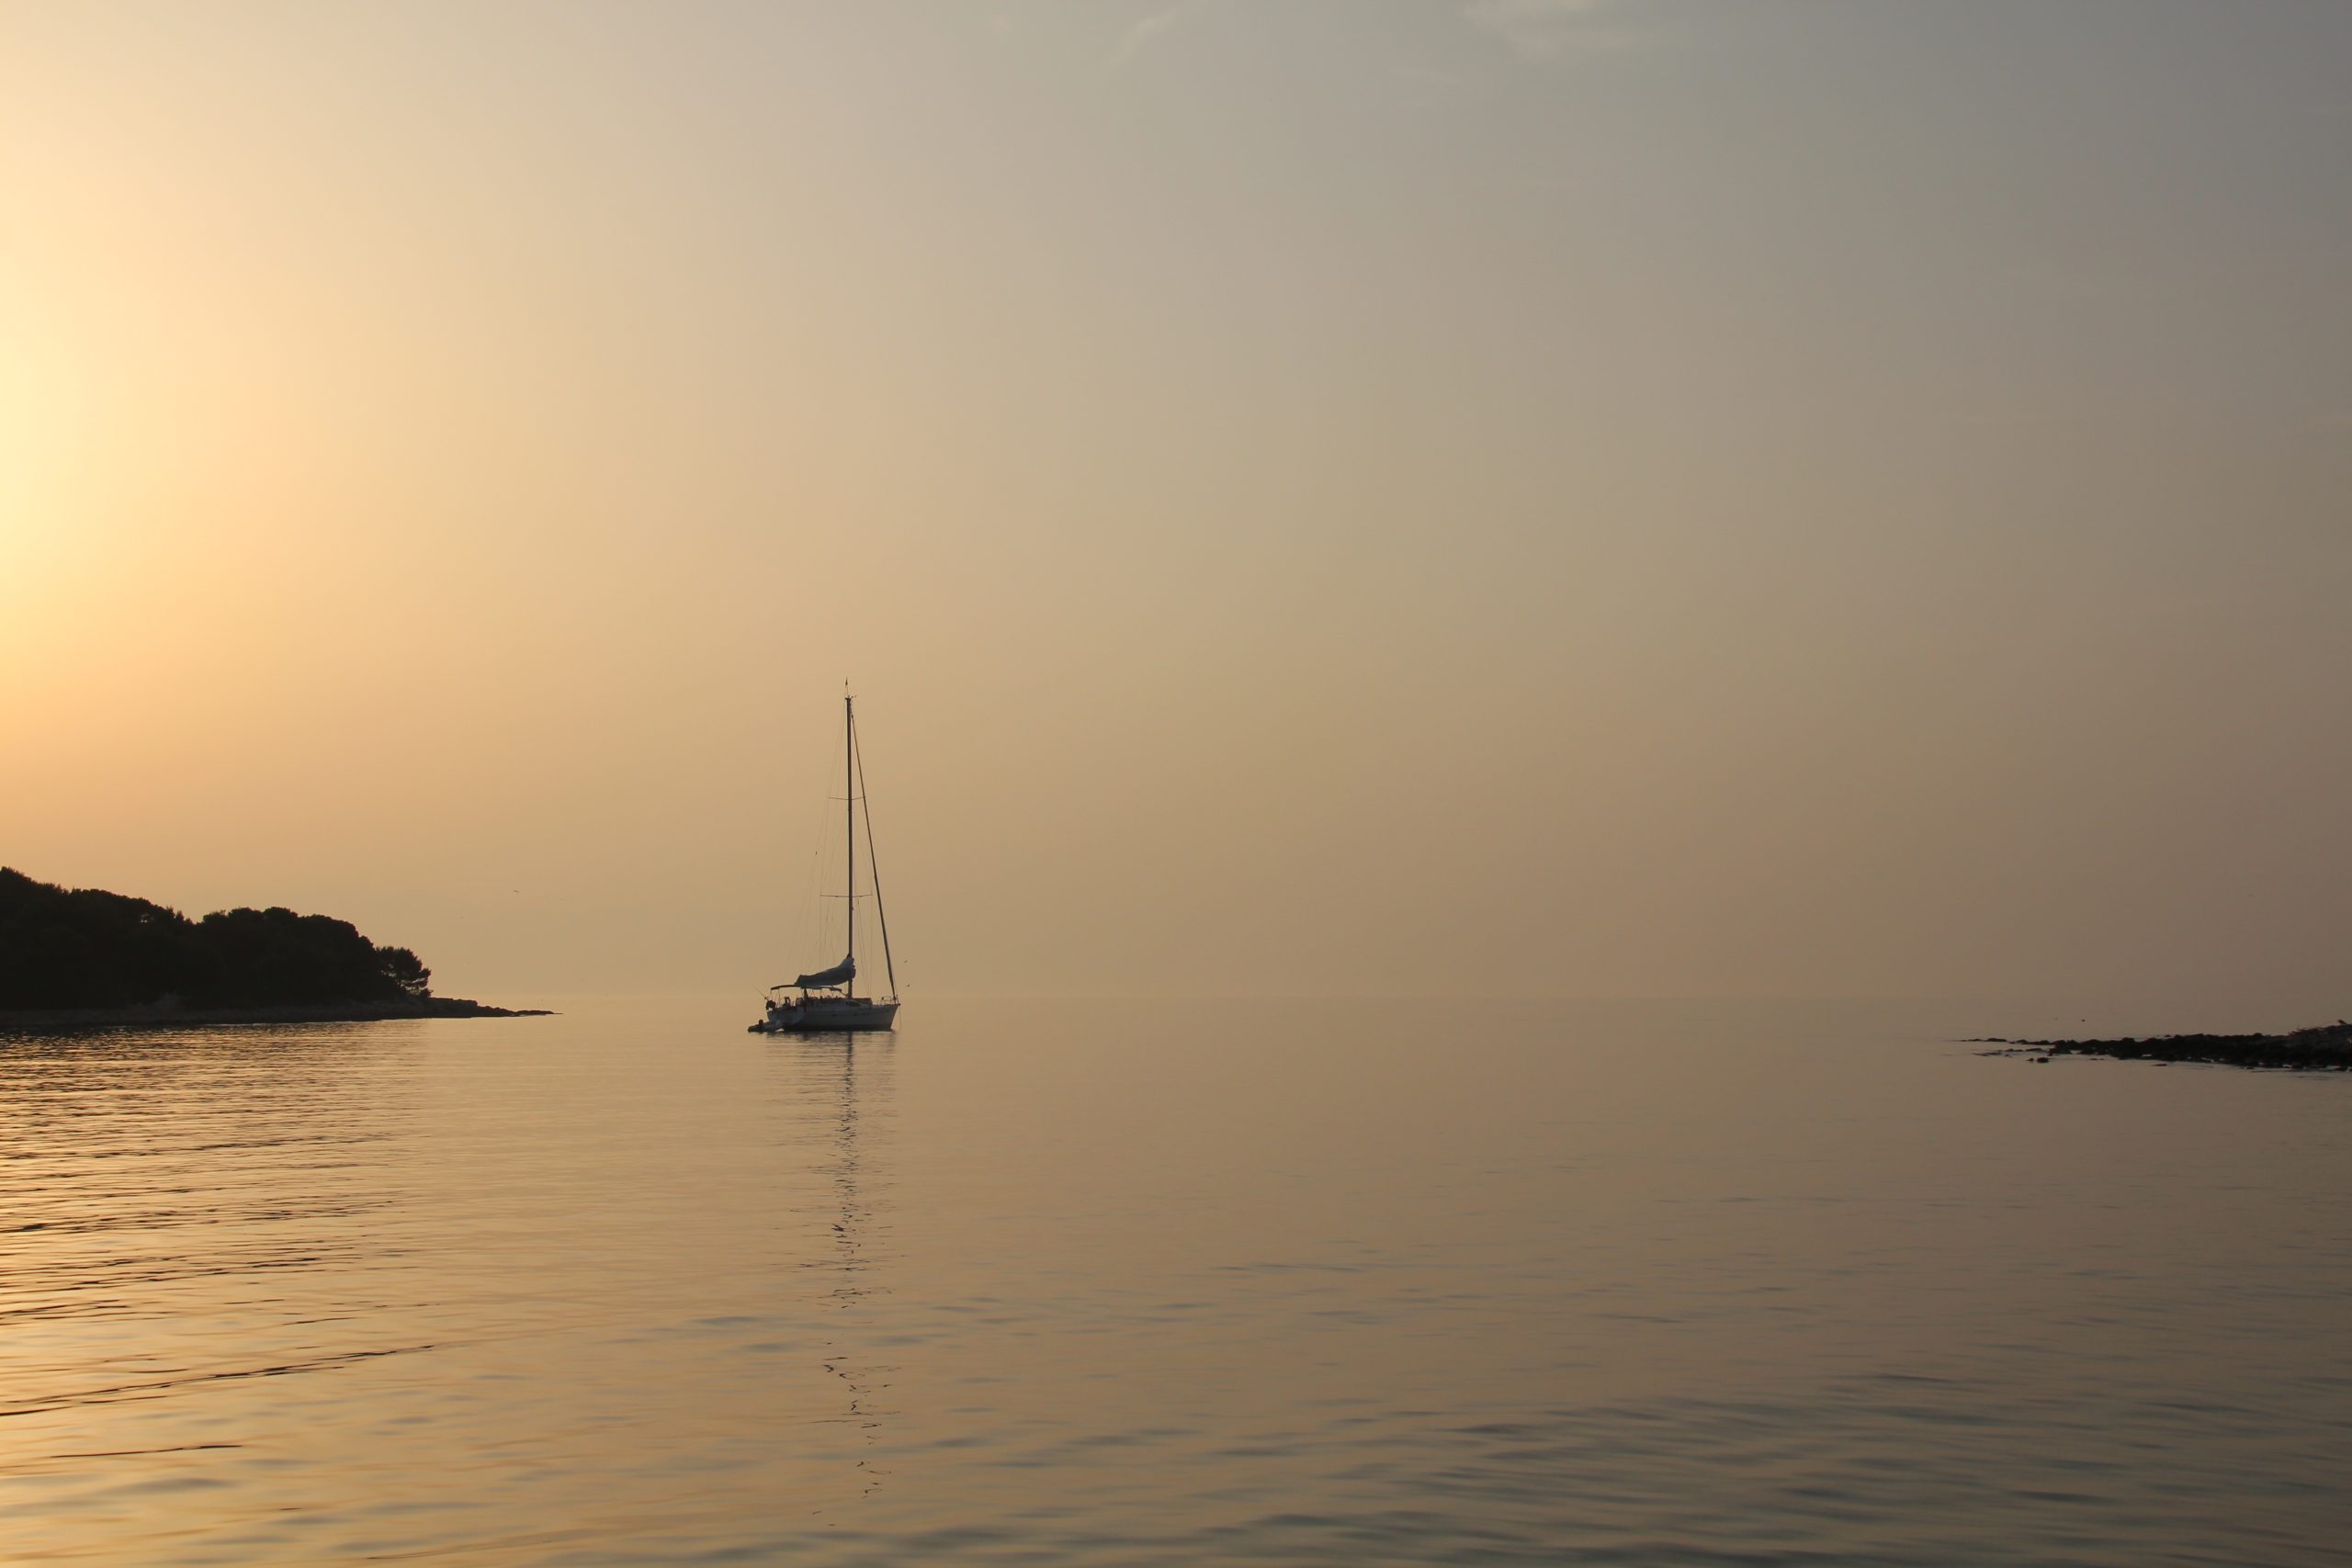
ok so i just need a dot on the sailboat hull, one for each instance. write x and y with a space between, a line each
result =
815 1006
828 1015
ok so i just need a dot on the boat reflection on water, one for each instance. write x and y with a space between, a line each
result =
838 1088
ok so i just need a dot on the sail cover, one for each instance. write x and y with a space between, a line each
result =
838 975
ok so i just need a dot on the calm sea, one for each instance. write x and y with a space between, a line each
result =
1170 1282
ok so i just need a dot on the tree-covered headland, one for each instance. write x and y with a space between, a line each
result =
84 948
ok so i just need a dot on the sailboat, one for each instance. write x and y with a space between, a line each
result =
826 1001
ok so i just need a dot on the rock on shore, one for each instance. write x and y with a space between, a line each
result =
2326 1047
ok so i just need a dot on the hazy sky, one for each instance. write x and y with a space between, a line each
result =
1549 497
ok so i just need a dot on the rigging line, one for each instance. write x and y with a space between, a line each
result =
813 928
873 866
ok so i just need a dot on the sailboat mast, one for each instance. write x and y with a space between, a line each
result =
849 825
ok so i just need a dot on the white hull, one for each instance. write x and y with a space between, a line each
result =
827 1015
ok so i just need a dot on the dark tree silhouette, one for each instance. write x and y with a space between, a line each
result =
408 971
81 947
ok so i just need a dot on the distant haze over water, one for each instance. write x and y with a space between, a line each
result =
1554 497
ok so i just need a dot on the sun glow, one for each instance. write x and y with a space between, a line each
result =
40 447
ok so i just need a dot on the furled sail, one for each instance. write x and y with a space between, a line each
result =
838 975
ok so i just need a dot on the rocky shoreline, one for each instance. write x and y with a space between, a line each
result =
161 1016
2325 1048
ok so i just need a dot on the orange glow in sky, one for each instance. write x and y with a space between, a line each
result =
1607 499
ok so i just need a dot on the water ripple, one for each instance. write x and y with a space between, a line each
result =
1107 1286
